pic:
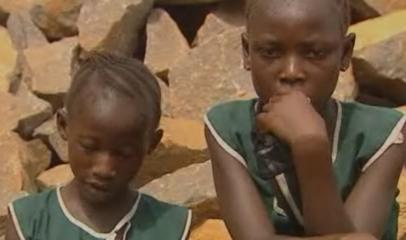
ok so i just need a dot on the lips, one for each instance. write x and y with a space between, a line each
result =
101 187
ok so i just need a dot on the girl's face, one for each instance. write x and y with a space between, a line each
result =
107 143
296 45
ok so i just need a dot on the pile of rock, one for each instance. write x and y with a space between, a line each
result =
42 42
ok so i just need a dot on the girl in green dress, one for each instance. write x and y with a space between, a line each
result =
111 123
332 167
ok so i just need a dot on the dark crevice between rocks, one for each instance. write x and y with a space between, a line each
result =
56 100
168 159
189 18
376 89
26 127
3 17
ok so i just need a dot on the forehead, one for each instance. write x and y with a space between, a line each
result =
323 16
104 111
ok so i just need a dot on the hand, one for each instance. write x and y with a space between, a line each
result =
292 118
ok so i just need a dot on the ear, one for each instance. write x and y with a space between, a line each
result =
348 50
62 124
246 51
156 139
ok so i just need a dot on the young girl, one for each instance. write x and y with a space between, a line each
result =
110 123
295 162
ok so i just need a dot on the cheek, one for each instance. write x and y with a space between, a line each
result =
263 75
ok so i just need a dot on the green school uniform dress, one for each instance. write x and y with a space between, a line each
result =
363 133
44 217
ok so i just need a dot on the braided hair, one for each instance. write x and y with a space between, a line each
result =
126 76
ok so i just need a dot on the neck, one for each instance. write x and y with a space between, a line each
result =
121 202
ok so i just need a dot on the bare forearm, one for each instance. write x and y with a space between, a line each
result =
323 209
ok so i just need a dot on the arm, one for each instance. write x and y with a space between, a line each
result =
370 201
241 206
293 119
11 232
320 195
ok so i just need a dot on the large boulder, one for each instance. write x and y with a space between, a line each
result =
227 15
57 18
48 70
211 73
211 229
192 186
8 60
379 57
36 160
55 177
380 69
162 55
12 175
183 144
114 26
22 114
388 25
374 8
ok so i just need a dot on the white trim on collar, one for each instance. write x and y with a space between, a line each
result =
111 235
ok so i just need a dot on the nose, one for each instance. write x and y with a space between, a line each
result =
103 167
292 74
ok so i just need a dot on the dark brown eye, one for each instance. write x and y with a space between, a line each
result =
314 53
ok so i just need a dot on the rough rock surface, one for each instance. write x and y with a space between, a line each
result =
347 87
8 60
114 26
54 177
212 229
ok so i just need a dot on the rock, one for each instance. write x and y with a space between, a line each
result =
23 32
211 73
12 176
380 69
379 57
374 8
183 144
192 186
60 146
22 114
8 60
57 18
162 55
211 229
48 70
54 177
227 16
114 26
37 160
402 202
347 87
389 26
48 132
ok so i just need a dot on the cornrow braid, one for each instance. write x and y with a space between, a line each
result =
343 5
123 75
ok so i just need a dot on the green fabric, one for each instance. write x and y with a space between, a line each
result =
40 216
364 129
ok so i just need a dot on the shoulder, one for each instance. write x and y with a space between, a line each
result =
165 217
230 110
373 129
26 211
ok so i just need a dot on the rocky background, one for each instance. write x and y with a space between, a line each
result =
193 47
